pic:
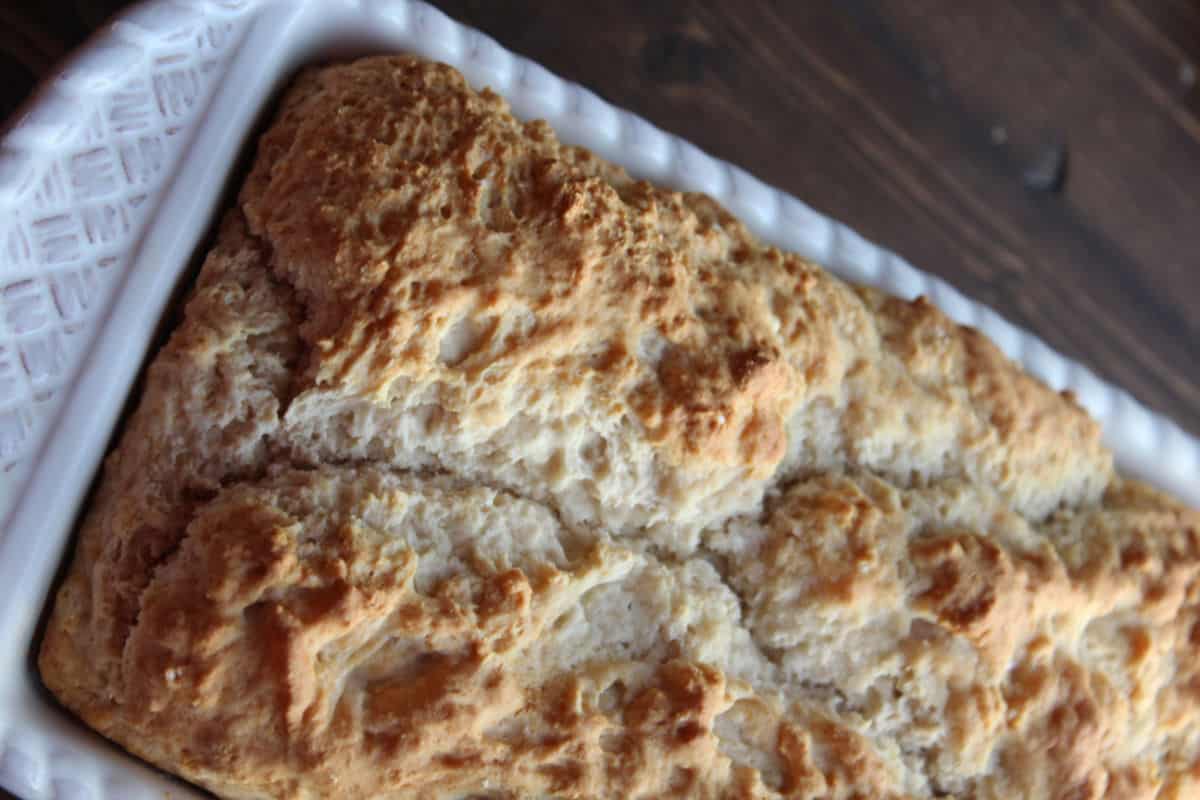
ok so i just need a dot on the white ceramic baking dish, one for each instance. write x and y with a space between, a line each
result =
110 180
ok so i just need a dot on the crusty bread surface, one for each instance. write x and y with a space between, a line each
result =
477 468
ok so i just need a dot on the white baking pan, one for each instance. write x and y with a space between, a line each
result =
109 181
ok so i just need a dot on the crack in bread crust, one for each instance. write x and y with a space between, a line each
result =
477 468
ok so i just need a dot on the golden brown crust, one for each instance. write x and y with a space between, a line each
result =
477 468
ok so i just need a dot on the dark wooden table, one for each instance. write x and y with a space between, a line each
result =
1042 156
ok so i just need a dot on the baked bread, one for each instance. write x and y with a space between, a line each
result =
476 468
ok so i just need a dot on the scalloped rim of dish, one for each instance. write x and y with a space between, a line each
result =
46 753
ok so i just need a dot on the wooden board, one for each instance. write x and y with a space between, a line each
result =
1044 157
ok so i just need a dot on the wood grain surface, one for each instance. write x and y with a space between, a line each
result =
1044 157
